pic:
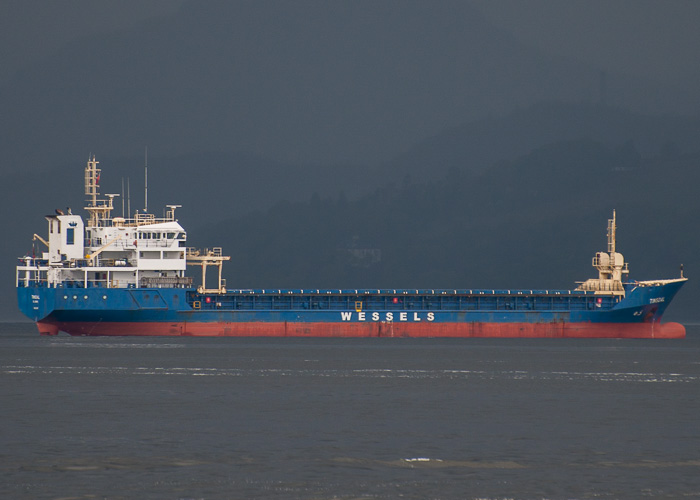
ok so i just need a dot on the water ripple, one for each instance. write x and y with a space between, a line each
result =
375 373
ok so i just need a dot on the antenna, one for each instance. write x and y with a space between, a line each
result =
123 197
612 227
128 196
145 209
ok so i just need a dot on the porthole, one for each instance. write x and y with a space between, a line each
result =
104 297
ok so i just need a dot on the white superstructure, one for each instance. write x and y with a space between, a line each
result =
113 252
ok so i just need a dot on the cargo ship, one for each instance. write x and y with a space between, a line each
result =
110 275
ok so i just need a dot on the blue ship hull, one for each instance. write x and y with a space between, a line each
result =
356 313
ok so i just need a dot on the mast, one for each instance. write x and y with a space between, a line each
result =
92 181
611 266
145 208
98 209
612 227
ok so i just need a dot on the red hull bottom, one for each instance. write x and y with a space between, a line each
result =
455 330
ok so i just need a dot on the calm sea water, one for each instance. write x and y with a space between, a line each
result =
218 418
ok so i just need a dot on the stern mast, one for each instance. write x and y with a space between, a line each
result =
611 266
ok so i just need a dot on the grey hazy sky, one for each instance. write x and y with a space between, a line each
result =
650 38
32 29
355 81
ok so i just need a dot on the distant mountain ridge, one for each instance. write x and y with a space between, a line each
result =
530 212
478 144
531 222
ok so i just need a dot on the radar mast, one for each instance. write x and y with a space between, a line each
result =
99 210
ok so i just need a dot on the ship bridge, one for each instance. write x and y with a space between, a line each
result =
106 251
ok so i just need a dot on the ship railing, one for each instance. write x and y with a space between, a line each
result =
153 243
99 283
144 219
122 283
93 283
597 285
207 252
32 262
132 244
166 282
138 220
379 303
31 275
43 282
79 263
32 283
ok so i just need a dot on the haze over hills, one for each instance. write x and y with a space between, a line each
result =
528 211
478 144
531 222
218 184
